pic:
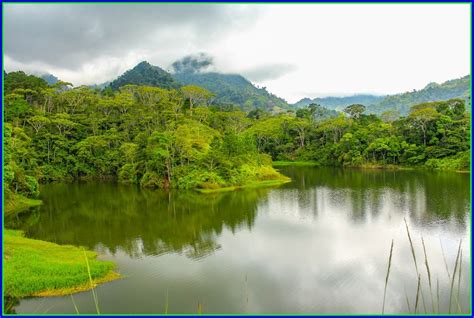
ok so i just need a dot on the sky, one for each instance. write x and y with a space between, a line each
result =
295 50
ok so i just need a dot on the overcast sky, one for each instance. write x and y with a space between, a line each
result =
294 50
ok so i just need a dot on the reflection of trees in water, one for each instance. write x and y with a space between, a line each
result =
137 221
427 195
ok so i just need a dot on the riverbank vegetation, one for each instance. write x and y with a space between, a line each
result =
177 137
38 268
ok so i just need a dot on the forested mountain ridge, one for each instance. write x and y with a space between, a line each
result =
50 78
230 90
233 89
338 103
145 74
456 88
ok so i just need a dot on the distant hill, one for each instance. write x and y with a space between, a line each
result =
233 89
236 90
338 103
145 74
230 89
49 78
100 86
457 88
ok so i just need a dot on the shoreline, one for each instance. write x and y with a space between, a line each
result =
365 166
253 185
18 203
36 268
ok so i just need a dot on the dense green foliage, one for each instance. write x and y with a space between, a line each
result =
233 90
151 136
145 74
34 268
175 138
434 135
457 88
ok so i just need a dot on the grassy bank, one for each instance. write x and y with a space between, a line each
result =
295 163
256 184
38 268
16 203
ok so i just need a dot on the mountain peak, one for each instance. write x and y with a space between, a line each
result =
145 74
143 64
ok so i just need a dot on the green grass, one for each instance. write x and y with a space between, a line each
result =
255 184
16 203
295 163
38 268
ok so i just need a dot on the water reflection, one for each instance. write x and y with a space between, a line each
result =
317 245
426 195
139 222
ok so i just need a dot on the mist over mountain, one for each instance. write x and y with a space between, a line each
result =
193 63
229 89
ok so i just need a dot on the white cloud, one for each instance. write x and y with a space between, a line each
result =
323 49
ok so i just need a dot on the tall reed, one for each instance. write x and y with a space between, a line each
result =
91 283
459 284
428 273
75 306
417 293
437 293
454 277
386 278
408 301
414 260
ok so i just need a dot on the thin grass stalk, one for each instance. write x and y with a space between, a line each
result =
459 284
417 294
246 291
408 302
414 260
386 278
411 246
166 304
428 273
437 292
199 309
75 306
91 283
444 259
454 277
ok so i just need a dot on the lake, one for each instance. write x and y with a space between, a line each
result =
319 244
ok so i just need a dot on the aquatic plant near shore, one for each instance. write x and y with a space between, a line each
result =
419 289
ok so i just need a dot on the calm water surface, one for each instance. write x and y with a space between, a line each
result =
317 245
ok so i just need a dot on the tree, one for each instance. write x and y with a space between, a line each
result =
355 110
421 117
390 115
197 96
